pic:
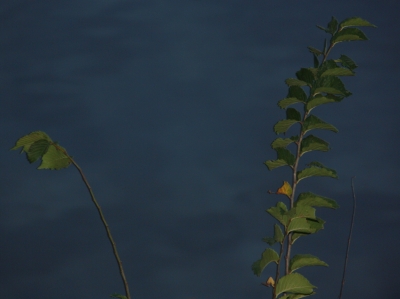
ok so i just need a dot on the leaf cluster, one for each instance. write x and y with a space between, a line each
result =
38 145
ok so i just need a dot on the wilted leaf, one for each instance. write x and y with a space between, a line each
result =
270 282
285 189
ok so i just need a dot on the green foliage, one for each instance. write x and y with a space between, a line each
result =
38 145
312 87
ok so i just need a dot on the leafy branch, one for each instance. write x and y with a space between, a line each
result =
38 145
299 218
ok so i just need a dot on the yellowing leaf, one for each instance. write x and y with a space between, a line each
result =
286 189
269 283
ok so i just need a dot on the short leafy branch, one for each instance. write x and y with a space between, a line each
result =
38 145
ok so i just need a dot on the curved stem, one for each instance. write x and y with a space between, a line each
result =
103 220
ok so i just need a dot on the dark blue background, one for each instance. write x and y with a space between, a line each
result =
168 107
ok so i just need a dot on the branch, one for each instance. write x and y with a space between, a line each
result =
109 235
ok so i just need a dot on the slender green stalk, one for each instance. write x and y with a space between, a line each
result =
103 220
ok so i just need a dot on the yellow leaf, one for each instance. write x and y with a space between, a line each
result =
269 283
286 189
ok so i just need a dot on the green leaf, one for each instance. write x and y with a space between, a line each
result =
270 241
314 51
348 34
316 61
268 256
302 260
297 219
284 157
37 150
323 28
283 125
298 225
294 283
292 113
316 169
272 164
326 65
333 25
26 141
295 296
295 82
320 100
278 236
54 159
330 85
312 122
279 212
314 200
115 295
331 28
345 61
355 21
312 143
284 142
305 75
301 212
287 102
298 93
338 71
314 226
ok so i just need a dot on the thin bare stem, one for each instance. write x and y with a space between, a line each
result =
294 186
103 220
278 270
349 238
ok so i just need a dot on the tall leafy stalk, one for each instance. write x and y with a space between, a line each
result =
38 145
299 218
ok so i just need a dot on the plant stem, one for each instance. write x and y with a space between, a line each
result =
295 165
349 238
103 220
277 270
